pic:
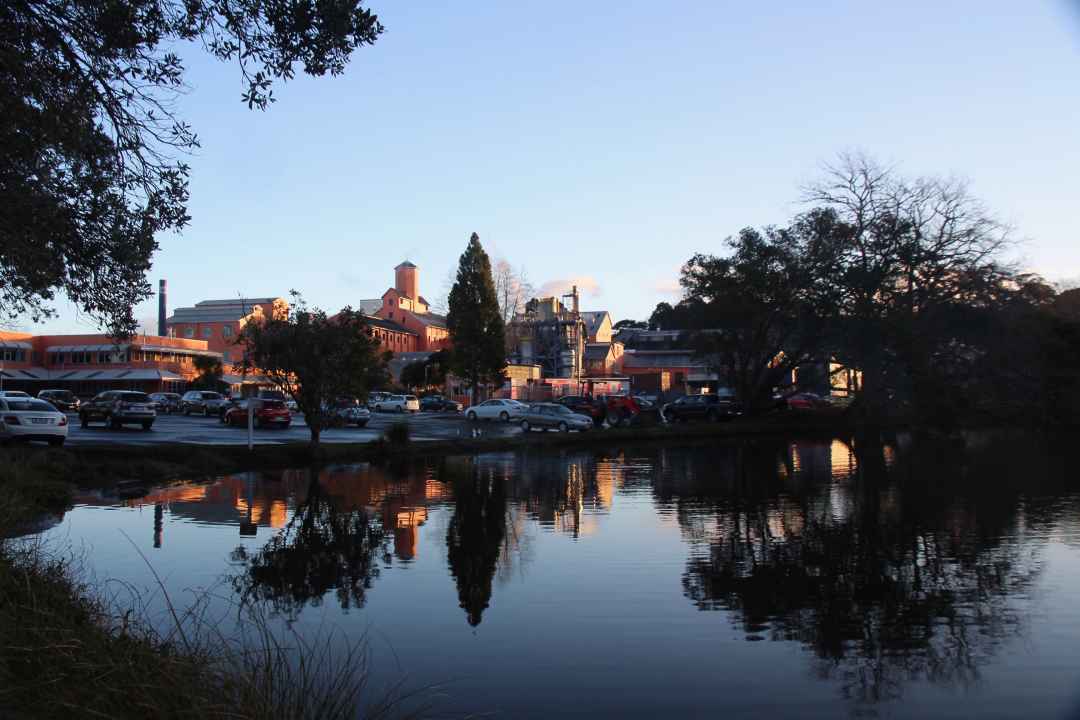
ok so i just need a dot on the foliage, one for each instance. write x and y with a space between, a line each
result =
631 324
430 372
316 359
89 131
474 320
323 548
755 310
209 373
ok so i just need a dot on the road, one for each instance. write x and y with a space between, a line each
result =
209 431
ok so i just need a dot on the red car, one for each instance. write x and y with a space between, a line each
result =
268 413
806 401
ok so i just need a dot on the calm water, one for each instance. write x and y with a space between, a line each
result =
783 579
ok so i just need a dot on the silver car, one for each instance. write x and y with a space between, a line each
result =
553 415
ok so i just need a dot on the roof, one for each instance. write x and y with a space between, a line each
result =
405 264
597 351
593 320
431 319
34 373
388 325
86 348
219 310
660 359
18 344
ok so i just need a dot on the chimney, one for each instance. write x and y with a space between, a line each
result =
161 305
576 304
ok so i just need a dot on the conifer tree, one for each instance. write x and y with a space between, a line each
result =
475 322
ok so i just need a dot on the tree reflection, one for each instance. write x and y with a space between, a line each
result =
322 548
475 537
885 587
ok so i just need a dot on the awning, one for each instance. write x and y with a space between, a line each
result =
233 379
181 351
86 348
17 344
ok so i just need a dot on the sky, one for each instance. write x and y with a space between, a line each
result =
604 143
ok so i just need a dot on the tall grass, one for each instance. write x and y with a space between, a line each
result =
67 650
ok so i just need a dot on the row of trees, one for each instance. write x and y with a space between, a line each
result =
904 280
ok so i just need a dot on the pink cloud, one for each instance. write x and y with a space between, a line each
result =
586 285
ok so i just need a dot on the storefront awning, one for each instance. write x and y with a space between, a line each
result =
16 344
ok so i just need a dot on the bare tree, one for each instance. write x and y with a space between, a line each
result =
512 287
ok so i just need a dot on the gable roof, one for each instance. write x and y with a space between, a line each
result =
597 351
431 319
594 320
387 325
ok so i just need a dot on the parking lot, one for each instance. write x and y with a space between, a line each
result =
210 431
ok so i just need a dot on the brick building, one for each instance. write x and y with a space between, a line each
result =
89 364
219 322
403 304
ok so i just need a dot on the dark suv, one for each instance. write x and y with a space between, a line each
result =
204 402
119 407
701 407
63 400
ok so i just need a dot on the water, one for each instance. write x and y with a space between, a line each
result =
780 578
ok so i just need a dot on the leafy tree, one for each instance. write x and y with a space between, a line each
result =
755 309
631 325
89 133
425 373
903 265
475 322
316 359
209 373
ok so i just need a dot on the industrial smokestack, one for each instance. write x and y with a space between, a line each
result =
161 305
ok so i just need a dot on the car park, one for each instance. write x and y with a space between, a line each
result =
267 413
438 403
203 402
119 407
63 400
497 409
165 402
398 403
708 407
27 418
554 416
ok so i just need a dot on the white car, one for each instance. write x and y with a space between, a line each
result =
13 394
31 419
502 410
398 403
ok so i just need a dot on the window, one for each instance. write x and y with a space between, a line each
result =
103 357
226 331
189 332
12 355
207 332
225 355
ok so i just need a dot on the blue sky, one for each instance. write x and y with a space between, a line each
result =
609 141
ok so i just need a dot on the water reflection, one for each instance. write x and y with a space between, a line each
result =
891 565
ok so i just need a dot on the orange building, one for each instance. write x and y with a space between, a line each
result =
403 304
89 364
219 322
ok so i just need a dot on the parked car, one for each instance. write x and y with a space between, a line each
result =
701 407
357 415
630 410
27 418
556 416
13 394
375 398
806 401
166 402
268 413
203 402
503 410
118 407
438 403
583 405
398 403
63 400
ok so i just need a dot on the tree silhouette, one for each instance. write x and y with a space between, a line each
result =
322 548
474 539
475 321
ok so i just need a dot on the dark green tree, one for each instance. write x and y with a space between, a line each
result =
631 324
90 138
209 373
316 359
475 322
474 539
